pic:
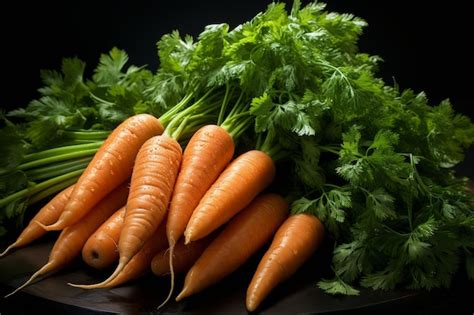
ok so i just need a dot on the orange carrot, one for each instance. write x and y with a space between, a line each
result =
241 238
208 152
110 167
184 256
234 189
154 175
101 249
295 241
71 240
46 215
140 263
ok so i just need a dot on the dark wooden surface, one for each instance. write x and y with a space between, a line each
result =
298 295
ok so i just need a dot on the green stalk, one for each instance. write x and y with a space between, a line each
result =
52 190
42 171
60 170
57 158
38 187
168 116
61 150
224 104
86 135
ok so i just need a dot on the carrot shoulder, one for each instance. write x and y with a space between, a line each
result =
111 166
241 238
233 190
46 215
295 241
101 249
69 244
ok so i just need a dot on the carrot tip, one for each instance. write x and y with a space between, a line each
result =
7 250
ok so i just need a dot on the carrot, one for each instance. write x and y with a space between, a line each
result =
101 249
110 167
46 215
208 152
295 241
154 175
235 188
69 244
206 155
240 239
184 256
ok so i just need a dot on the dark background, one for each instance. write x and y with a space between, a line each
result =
424 47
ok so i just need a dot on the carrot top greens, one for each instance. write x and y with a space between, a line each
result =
374 163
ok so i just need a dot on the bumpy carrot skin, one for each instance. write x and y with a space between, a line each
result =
295 241
233 190
46 215
154 175
208 152
110 167
71 240
140 263
240 239
184 256
101 249
153 178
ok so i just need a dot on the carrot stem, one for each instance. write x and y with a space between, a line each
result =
57 169
61 151
57 158
38 187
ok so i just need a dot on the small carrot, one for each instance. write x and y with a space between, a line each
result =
295 241
233 190
241 238
110 167
71 240
184 256
140 263
46 215
101 249
154 175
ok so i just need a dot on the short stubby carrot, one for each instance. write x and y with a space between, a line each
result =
233 190
295 241
153 178
46 215
101 249
208 152
111 166
245 234
184 256
69 244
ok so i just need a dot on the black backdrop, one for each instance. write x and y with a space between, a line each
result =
424 47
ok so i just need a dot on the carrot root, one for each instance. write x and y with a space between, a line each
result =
171 249
9 248
46 268
104 283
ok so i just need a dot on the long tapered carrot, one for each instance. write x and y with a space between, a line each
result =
153 178
295 241
46 215
241 238
110 167
184 256
234 189
69 244
208 152
101 249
